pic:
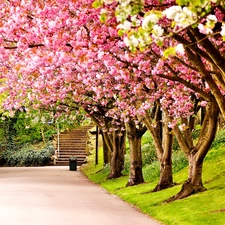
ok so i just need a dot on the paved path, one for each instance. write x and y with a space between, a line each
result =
55 195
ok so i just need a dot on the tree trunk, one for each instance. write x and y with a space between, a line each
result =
106 152
114 139
166 176
197 153
163 140
117 153
194 183
116 165
134 137
42 135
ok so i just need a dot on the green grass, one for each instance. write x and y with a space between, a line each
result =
206 208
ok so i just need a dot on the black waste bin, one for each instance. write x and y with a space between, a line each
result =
73 163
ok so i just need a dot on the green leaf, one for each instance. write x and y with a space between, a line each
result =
160 43
181 2
169 52
173 24
142 48
103 18
97 3
121 32
136 9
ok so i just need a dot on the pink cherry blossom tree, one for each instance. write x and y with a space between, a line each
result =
195 28
52 58
173 29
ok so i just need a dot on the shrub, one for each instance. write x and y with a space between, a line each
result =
148 153
146 138
148 149
175 144
126 169
151 171
27 157
220 139
179 161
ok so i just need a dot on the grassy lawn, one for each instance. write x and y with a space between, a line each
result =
207 208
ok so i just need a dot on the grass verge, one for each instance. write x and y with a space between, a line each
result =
207 208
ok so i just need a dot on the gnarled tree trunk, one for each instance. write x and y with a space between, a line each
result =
197 153
134 135
114 140
163 140
116 143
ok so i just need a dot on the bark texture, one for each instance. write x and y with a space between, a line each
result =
196 153
106 151
134 135
115 141
163 140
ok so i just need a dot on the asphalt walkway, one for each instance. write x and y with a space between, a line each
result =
57 196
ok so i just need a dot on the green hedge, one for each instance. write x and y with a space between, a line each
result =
27 157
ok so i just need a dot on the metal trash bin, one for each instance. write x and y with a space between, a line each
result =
73 163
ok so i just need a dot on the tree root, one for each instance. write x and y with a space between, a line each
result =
112 176
187 189
134 182
160 187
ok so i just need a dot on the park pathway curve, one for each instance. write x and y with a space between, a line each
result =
57 196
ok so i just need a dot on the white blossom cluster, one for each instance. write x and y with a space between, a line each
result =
125 8
149 20
206 28
124 3
182 17
157 32
126 25
131 41
180 49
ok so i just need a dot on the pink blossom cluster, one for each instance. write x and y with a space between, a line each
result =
58 54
